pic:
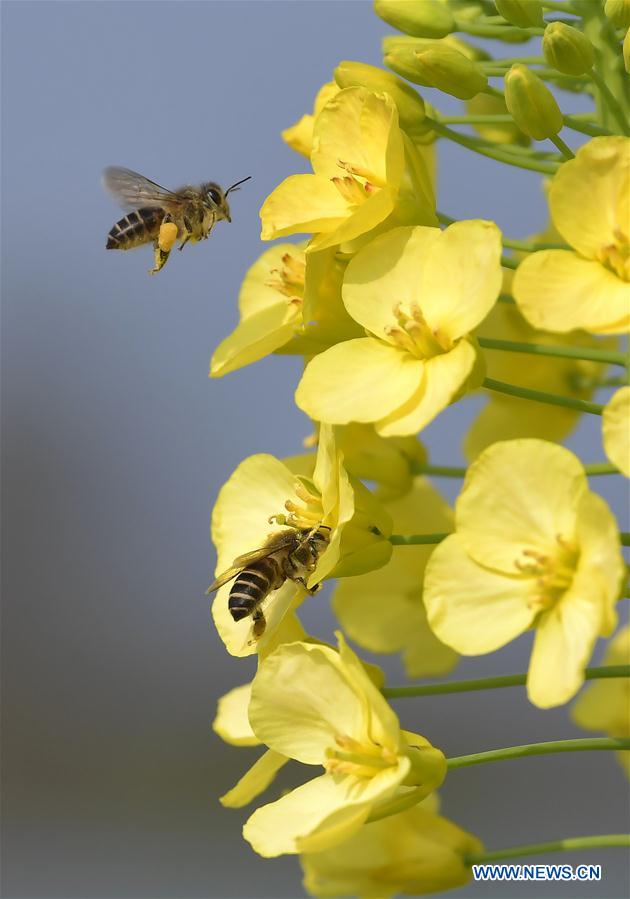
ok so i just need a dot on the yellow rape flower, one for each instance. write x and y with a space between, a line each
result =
383 611
264 496
506 417
533 547
589 286
288 301
616 430
300 136
604 705
364 168
418 292
319 707
415 852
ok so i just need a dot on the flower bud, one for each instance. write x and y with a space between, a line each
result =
618 11
497 132
626 51
439 66
567 49
522 13
410 104
531 104
421 18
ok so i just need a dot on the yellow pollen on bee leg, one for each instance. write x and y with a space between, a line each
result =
167 236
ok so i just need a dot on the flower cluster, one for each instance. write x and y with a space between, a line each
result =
399 311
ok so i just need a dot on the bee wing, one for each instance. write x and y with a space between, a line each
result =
222 579
131 189
271 545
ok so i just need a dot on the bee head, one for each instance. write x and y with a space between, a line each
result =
215 200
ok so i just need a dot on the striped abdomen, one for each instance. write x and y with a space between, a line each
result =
137 227
252 586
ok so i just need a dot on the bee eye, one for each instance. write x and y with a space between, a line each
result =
215 196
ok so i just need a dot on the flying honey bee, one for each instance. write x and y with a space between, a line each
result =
287 555
191 212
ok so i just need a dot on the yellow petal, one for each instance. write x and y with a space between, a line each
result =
362 219
616 430
444 376
385 274
238 636
586 194
460 278
508 418
298 682
470 608
256 337
231 722
319 813
518 496
358 380
258 488
259 289
414 852
255 781
360 128
559 291
605 704
300 136
566 634
302 203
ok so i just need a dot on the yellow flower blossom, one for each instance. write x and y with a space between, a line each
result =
264 496
319 707
589 286
388 461
365 170
506 417
415 852
616 430
604 705
300 136
533 547
231 722
383 611
288 301
418 292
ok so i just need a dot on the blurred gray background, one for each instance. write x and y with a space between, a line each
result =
115 444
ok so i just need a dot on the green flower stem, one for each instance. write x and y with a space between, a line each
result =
567 152
539 396
611 101
492 683
508 262
568 845
625 538
523 162
453 471
586 126
416 539
532 247
590 354
583 744
506 298
493 29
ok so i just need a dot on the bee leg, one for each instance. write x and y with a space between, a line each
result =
310 590
188 227
161 258
259 623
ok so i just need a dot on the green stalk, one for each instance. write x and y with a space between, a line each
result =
508 262
625 538
611 101
479 28
567 845
585 126
533 165
539 396
416 539
567 152
589 354
451 471
492 683
583 744
531 246
563 6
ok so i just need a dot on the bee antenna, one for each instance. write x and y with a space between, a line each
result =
235 186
